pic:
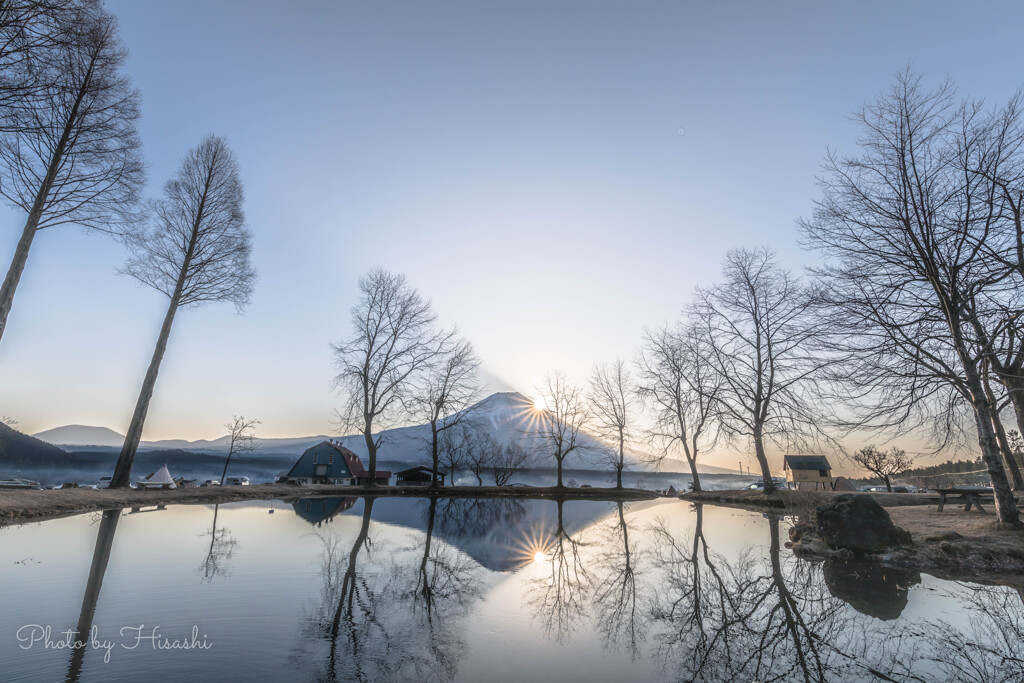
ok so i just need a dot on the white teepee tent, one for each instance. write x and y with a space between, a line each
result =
159 479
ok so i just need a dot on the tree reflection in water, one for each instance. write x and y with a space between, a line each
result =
761 618
560 592
620 609
98 568
222 548
388 613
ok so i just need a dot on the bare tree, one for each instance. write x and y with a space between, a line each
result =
479 452
71 152
612 398
884 464
392 341
222 548
509 460
8 421
29 31
198 251
678 381
449 388
242 440
759 335
902 226
452 450
565 413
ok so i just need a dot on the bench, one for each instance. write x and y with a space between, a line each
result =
971 496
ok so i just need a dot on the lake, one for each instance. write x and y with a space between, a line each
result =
476 590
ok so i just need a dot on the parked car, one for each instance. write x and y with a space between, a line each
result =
104 482
20 484
238 481
210 482
895 489
758 485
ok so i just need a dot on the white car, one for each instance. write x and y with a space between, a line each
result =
758 485
238 481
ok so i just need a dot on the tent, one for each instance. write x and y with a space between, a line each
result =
159 479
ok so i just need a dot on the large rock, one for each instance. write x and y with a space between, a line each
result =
858 523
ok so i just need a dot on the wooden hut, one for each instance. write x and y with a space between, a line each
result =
419 476
808 471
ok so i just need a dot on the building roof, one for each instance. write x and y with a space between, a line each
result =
304 466
806 462
420 470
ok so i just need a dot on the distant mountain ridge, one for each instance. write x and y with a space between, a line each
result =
507 416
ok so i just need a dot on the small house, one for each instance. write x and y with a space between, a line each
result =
808 471
418 476
329 462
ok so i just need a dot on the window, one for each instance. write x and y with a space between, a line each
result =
320 471
314 458
330 459
823 473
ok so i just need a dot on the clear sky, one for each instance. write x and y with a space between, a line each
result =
554 176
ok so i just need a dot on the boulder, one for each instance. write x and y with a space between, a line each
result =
858 523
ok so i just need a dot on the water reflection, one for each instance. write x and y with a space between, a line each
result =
415 589
619 603
560 594
389 612
221 550
97 570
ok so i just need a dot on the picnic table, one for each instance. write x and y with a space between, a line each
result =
970 495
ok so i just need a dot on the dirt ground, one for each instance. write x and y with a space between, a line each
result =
18 506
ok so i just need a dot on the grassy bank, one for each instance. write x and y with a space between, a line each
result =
18 506
951 544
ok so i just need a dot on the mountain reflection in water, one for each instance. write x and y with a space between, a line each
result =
498 589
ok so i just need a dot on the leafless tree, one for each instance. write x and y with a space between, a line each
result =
71 152
564 415
448 390
902 227
198 251
452 450
29 31
883 464
479 451
509 460
393 340
613 402
8 421
760 337
682 387
242 439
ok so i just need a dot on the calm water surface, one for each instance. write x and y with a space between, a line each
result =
477 590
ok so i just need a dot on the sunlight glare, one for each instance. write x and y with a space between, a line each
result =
540 556
538 403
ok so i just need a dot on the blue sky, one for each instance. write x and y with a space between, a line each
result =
553 177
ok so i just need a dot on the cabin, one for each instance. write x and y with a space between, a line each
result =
419 476
808 471
329 462
318 511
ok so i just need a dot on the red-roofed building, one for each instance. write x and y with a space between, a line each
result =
329 462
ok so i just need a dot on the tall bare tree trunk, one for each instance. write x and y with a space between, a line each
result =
17 268
1006 506
371 453
123 471
1004 443
762 460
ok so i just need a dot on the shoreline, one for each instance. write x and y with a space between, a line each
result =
19 506
952 544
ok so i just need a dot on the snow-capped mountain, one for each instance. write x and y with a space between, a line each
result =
507 416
